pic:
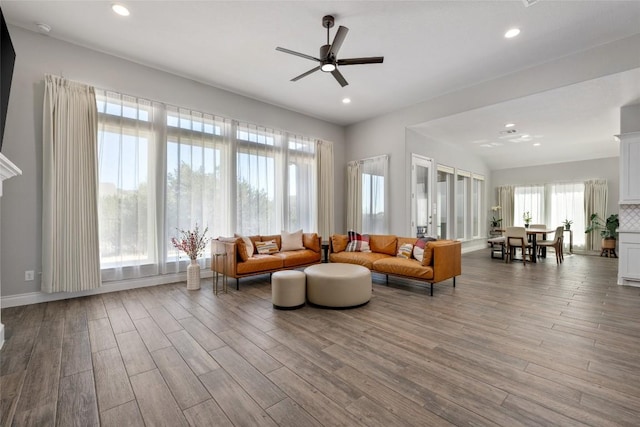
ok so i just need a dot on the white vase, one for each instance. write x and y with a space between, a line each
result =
193 276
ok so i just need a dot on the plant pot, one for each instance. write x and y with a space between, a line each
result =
567 227
608 243
526 226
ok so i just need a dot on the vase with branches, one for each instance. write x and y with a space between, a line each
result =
193 243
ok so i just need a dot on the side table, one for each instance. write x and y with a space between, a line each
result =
223 257
325 250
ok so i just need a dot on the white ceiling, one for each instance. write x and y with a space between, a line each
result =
430 48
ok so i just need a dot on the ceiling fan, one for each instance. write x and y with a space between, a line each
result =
328 54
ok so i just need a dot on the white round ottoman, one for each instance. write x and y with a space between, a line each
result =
338 285
288 289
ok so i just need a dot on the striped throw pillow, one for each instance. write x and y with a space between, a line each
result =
405 251
267 248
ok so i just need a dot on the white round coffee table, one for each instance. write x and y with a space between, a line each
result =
338 285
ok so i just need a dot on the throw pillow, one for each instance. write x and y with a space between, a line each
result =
418 248
358 242
246 250
267 248
405 251
292 241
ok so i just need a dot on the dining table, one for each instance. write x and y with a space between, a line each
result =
532 234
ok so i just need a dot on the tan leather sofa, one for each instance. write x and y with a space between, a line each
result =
442 258
238 263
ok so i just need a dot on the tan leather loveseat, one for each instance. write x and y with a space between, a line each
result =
442 258
239 263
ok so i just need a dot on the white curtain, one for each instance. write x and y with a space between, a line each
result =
529 198
302 186
325 189
260 180
128 188
505 201
375 211
196 179
566 201
595 201
354 197
70 249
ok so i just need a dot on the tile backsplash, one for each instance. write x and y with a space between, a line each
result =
629 217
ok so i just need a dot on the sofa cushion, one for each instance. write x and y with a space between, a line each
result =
339 242
259 263
403 267
267 248
300 257
275 237
383 244
365 259
358 242
292 241
311 241
245 247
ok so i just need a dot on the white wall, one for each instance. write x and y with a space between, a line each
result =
37 55
607 168
388 134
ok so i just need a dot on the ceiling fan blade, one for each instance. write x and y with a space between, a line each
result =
293 52
357 61
313 70
337 41
339 77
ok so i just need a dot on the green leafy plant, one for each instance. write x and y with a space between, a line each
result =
567 223
495 222
526 217
608 228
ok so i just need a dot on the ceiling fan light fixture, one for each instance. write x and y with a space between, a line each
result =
328 67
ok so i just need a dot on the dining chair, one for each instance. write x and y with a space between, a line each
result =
556 243
516 237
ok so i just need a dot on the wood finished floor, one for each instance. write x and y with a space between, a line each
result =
511 345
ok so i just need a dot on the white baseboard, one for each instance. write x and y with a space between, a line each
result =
1 335
38 297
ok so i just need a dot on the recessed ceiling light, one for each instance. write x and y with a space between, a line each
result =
509 125
537 144
512 33
120 9
346 100
43 28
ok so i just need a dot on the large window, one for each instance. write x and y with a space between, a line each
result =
477 205
445 202
463 188
529 199
552 204
164 168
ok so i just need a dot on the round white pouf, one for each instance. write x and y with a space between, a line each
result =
338 285
288 289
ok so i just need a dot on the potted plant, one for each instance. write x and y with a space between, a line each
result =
567 224
608 231
526 217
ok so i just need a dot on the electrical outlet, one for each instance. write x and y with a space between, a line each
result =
28 275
